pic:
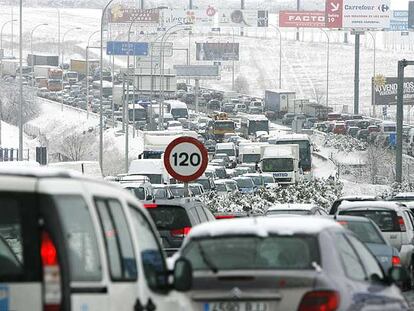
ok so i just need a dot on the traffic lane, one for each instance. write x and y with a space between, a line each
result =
410 298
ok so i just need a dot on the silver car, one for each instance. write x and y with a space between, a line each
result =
286 263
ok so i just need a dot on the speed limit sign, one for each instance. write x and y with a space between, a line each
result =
185 159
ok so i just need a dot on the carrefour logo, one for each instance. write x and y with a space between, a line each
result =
363 7
383 8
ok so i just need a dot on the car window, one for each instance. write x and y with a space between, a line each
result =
209 214
349 258
194 214
201 214
80 238
386 220
118 241
151 255
410 217
168 217
322 212
370 263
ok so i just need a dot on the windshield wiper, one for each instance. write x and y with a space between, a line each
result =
206 259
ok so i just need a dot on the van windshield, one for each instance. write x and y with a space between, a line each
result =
229 152
179 113
251 158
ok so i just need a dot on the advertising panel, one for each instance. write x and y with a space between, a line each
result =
197 17
384 91
197 71
217 51
121 14
302 19
243 18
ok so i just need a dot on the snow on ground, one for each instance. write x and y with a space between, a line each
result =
10 139
354 189
323 168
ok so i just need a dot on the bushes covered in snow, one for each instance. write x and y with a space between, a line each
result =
319 191
344 143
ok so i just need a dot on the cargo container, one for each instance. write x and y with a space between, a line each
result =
42 60
79 66
10 67
277 102
315 110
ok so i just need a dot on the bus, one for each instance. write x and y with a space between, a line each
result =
253 123
177 108
305 153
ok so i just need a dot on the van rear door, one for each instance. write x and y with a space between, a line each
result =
20 263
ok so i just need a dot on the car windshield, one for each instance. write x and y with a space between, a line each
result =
221 187
205 183
226 125
138 192
257 180
179 112
268 179
386 220
251 158
277 165
365 231
160 193
195 190
253 253
221 173
232 186
245 183
168 217
229 152
178 192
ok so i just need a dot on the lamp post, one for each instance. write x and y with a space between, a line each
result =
280 54
20 156
327 65
87 72
1 33
63 40
374 73
58 15
163 40
31 47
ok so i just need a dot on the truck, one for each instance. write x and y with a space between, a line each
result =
152 168
155 142
79 66
42 60
250 152
315 110
52 74
71 77
282 162
277 102
11 67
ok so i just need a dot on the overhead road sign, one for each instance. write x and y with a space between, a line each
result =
155 49
121 14
302 19
385 91
243 18
186 159
398 25
400 14
217 51
351 14
201 72
123 48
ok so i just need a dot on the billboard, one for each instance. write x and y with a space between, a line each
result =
121 14
121 48
243 18
302 19
196 17
384 91
197 71
352 14
217 51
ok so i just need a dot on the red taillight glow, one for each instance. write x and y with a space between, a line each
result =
150 205
396 261
401 223
180 232
343 222
225 216
48 251
319 301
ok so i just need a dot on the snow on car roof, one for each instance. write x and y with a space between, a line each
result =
264 226
288 206
369 204
405 195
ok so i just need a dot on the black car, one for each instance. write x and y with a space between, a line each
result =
175 218
363 135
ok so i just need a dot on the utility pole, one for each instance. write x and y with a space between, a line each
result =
356 75
297 29
190 4
20 155
242 8
400 116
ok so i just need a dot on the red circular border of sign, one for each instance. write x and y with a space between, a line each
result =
204 158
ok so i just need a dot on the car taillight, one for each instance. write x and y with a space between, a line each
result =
225 216
150 205
396 261
51 274
180 233
401 223
319 301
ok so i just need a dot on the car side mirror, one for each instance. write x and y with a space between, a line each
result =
397 275
183 275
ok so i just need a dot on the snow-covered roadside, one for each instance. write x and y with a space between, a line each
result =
10 139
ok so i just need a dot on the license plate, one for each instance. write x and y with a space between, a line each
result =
236 306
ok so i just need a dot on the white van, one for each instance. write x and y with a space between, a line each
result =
178 109
72 243
152 168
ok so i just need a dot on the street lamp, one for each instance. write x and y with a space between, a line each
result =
327 65
1 33
20 156
63 40
375 51
163 40
58 16
31 48
280 54
87 72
